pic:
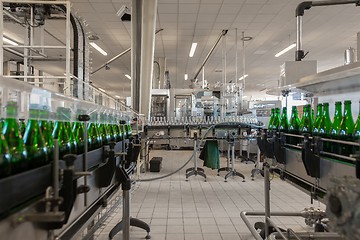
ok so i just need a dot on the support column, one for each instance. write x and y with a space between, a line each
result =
147 54
136 16
358 46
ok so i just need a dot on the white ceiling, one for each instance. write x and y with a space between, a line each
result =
328 31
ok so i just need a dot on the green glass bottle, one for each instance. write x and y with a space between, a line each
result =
284 122
129 130
46 130
61 134
356 134
34 141
110 129
125 133
346 129
22 126
121 132
52 125
325 127
294 126
277 119
67 124
78 130
306 124
105 136
319 115
115 129
272 115
19 158
5 158
94 137
335 128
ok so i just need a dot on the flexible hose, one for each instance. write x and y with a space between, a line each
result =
191 157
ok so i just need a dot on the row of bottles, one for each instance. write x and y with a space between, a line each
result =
163 121
342 127
27 146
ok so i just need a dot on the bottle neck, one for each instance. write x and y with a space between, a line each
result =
347 110
319 111
338 110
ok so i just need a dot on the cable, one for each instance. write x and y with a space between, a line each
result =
191 157
186 163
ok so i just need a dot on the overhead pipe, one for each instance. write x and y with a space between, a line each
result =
118 56
300 10
223 33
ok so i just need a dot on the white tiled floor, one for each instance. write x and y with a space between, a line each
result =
197 210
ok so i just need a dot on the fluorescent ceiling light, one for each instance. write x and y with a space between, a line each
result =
11 42
192 50
242 77
117 96
102 90
99 49
285 50
128 76
244 97
186 76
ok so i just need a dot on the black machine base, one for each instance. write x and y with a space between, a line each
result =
233 172
230 172
133 222
194 172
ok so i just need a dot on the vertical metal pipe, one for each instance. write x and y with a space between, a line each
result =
232 156
195 151
126 215
203 77
85 165
228 154
56 172
236 56
147 54
68 46
267 197
136 14
243 58
299 31
1 39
